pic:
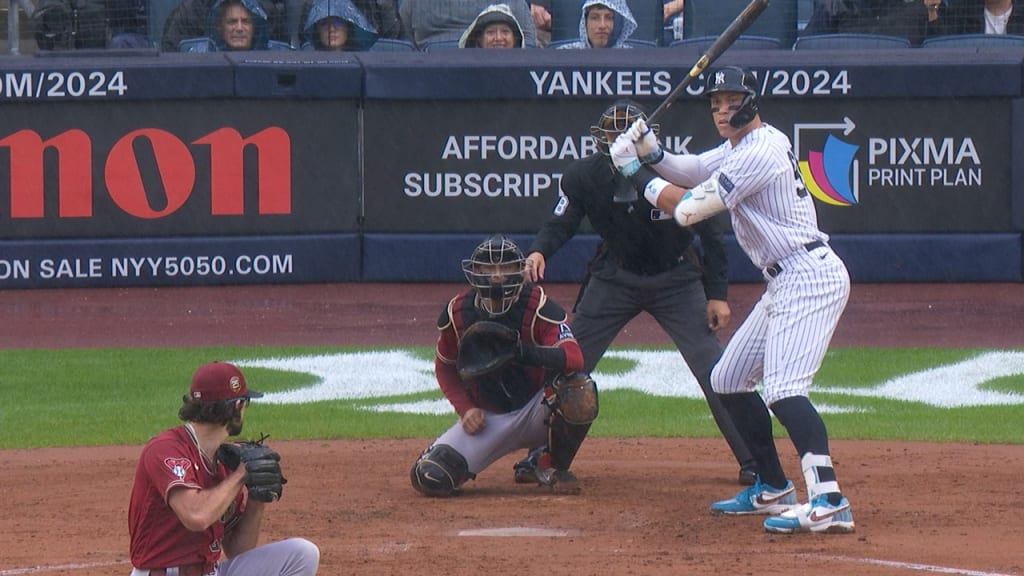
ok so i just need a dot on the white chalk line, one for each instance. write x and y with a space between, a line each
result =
40 569
905 565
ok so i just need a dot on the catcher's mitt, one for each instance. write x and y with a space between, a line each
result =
485 347
262 465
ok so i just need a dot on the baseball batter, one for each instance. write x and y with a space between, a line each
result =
533 396
646 263
187 507
754 175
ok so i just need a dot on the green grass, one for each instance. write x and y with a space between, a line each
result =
124 396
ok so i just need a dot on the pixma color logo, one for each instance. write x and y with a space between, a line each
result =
124 180
831 169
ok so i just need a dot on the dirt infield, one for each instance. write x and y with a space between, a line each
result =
947 508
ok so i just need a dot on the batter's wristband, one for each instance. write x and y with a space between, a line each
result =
653 157
641 177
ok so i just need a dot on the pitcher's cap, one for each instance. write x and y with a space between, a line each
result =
219 381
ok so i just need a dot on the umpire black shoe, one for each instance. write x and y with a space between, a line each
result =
747 477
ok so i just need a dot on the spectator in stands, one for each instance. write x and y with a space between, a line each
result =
987 17
913 20
70 24
604 24
672 16
127 19
540 10
337 25
190 19
426 21
382 16
495 27
236 25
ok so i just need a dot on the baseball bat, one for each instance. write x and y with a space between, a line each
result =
720 45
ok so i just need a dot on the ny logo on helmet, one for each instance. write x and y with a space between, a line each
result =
719 78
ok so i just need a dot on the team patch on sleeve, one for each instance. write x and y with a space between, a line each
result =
563 203
564 332
725 183
178 466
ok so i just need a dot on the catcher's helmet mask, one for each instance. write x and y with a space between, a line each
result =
615 120
495 270
736 79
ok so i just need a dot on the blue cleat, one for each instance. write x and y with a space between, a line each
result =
758 499
815 516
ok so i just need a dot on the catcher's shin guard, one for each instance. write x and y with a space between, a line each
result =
439 471
564 441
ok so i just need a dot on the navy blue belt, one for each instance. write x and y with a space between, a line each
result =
773 270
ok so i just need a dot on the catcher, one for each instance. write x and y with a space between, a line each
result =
510 366
195 495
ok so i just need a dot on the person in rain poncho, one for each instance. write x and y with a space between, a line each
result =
604 24
495 27
337 25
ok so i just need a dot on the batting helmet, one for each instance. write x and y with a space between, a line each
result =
495 269
615 120
736 79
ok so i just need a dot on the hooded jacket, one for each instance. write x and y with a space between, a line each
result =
624 27
493 13
361 34
426 21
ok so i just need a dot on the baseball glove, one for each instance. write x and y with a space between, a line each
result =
485 347
262 465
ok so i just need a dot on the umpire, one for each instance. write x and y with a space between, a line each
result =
645 262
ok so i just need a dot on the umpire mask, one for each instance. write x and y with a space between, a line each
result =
615 120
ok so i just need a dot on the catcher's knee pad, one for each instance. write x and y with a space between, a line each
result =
576 395
439 471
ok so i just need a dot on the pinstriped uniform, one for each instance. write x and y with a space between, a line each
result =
784 339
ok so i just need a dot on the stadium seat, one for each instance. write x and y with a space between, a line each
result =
565 20
392 45
440 45
200 44
638 43
849 42
712 17
649 21
742 43
158 10
973 41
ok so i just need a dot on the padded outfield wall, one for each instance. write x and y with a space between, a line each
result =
178 169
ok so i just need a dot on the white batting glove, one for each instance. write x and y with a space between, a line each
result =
647 146
623 153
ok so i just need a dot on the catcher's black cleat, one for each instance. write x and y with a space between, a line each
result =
525 471
747 476
559 481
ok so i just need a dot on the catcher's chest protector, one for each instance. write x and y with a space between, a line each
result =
520 317
511 387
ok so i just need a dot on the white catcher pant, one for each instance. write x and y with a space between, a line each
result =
502 434
784 339
291 557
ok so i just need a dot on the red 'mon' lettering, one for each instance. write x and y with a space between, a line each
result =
175 168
